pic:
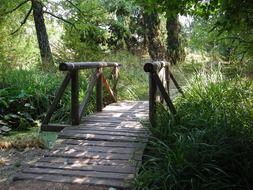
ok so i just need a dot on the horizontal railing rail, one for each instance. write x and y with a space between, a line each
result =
159 86
97 79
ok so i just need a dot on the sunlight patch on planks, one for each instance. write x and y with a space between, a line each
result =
105 149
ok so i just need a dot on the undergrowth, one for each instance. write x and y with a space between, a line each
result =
210 147
26 95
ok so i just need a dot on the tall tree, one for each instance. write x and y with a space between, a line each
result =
36 7
155 48
45 50
175 49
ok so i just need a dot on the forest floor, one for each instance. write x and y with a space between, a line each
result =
13 161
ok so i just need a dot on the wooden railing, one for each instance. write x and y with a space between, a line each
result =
97 79
159 78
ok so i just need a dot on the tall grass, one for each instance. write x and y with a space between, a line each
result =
211 146
26 95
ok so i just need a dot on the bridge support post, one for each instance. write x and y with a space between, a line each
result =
99 91
152 98
74 97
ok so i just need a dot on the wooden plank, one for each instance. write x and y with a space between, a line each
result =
96 155
121 117
126 124
64 147
73 135
111 120
88 129
67 172
74 97
104 132
94 161
101 143
73 179
126 169
99 91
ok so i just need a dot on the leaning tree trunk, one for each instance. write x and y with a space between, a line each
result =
155 48
42 37
175 49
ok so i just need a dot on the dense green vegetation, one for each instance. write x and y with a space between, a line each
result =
209 44
211 146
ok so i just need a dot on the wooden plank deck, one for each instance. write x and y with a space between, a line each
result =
105 149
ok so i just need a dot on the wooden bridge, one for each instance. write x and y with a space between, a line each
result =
104 148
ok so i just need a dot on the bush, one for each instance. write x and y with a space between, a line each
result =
25 96
211 146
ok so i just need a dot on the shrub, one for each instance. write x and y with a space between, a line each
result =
211 146
25 96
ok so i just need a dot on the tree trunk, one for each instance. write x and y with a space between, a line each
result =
42 37
175 49
155 48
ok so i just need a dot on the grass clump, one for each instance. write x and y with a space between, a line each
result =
21 141
211 146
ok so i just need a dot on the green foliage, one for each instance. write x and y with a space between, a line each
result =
211 146
19 49
133 81
15 110
25 97
88 36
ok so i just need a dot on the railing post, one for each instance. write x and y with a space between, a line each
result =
115 76
74 97
99 91
167 78
152 98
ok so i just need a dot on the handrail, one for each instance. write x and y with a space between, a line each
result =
159 78
97 79
155 66
68 66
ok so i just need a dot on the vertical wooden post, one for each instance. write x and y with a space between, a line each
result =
167 78
99 91
74 97
115 76
152 98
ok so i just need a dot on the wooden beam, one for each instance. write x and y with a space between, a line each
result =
67 66
167 78
74 97
99 91
152 98
154 66
90 87
176 84
108 88
115 76
57 98
164 93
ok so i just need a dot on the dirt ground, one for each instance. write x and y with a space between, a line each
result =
12 161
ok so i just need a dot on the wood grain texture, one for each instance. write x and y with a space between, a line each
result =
105 149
